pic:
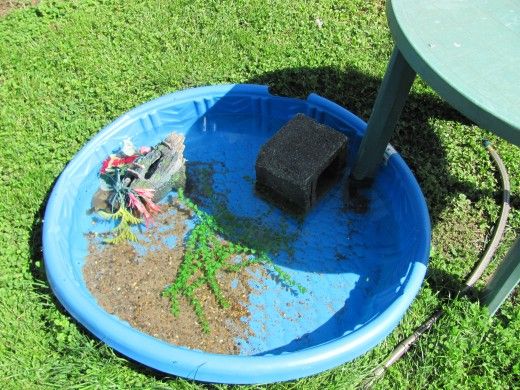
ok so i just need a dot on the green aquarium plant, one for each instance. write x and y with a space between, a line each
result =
208 252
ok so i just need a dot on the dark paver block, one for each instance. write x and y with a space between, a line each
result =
301 161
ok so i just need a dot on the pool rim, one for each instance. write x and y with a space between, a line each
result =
209 367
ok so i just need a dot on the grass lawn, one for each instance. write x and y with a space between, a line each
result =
67 68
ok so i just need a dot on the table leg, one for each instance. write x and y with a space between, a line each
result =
387 109
504 280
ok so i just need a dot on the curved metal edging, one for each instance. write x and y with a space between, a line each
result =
206 366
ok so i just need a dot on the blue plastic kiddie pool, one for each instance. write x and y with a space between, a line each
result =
361 270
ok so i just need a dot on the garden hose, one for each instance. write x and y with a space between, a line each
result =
499 231
406 344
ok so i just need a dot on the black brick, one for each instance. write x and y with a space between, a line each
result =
301 162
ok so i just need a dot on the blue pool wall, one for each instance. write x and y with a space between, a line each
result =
189 110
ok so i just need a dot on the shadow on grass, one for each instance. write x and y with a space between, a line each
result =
414 139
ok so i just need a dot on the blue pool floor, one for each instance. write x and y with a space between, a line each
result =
350 263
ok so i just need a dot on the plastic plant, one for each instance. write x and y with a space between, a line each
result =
122 232
128 205
206 253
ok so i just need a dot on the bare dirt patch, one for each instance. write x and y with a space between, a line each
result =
7 6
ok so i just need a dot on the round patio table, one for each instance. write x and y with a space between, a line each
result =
469 52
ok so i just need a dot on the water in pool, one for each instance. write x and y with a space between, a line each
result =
350 263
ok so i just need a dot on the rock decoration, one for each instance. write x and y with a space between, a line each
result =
162 169
133 180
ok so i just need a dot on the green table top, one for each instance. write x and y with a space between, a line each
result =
469 52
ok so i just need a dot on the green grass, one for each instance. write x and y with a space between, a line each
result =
68 68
